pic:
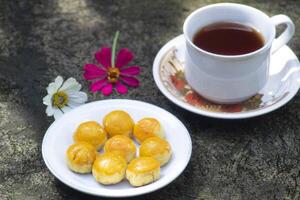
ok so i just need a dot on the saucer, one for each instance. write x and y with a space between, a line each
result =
282 85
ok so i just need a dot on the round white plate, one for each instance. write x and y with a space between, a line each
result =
282 85
59 137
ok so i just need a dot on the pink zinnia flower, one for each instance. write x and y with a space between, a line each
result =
112 73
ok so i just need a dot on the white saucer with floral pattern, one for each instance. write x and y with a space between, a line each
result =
282 86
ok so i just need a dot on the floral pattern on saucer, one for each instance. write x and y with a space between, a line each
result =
172 75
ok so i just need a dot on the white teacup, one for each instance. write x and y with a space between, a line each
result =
231 79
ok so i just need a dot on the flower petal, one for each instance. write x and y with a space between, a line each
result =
77 96
104 57
131 81
47 100
133 70
54 86
57 113
58 81
98 85
66 109
92 72
73 104
50 110
107 89
124 57
70 84
51 89
122 89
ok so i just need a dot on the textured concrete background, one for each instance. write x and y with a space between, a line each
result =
247 159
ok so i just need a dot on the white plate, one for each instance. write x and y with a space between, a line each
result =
282 85
59 137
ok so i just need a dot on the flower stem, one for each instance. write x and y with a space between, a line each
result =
114 47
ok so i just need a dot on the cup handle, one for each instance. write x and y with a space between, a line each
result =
287 33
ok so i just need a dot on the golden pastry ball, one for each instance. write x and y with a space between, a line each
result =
142 171
157 148
91 132
81 156
109 168
147 127
121 144
118 122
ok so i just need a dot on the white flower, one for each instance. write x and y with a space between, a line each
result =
63 96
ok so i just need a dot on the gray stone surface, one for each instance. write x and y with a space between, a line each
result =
245 159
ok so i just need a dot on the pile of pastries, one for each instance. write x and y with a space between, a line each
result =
119 159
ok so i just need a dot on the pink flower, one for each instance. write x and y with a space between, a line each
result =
106 76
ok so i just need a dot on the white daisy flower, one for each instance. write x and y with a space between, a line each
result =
63 96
